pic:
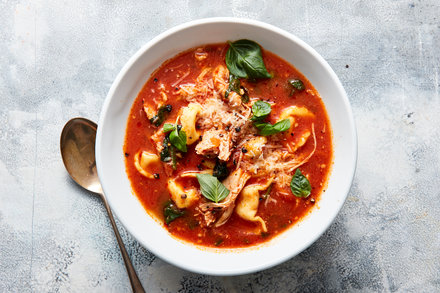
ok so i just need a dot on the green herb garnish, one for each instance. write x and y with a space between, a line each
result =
244 95
173 157
266 129
165 155
211 188
169 150
171 212
161 115
178 139
300 185
244 60
167 127
234 85
260 110
297 85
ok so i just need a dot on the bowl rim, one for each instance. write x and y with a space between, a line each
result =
219 20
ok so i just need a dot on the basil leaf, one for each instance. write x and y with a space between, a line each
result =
234 85
266 129
297 85
300 185
244 60
171 212
165 155
178 139
245 95
218 242
173 157
168 152
282 125
211 188
260 110
161 115
167 127
221 171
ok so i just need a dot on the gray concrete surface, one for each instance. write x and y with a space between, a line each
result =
58 60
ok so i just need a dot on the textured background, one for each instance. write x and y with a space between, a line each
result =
58 60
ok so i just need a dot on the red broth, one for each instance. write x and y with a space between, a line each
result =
282 211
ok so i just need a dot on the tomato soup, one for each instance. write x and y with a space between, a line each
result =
228 145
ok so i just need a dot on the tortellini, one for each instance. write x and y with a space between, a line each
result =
291 111
182 197
143 161
247 203
188 121
302 141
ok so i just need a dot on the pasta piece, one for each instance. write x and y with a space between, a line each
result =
301 141
142 162
296 111
247 203
291 111
188 120
254 146
182 197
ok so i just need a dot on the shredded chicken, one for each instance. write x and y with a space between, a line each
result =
220 78
277 161
221 127
235 183
210 143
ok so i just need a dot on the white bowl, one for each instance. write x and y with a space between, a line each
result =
148 231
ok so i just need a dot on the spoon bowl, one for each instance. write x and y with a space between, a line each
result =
78 152
77 145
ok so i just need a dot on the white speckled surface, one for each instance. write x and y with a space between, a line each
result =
58 60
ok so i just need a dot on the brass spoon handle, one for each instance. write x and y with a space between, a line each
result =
134 280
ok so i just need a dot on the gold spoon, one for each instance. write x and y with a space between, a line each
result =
78 152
